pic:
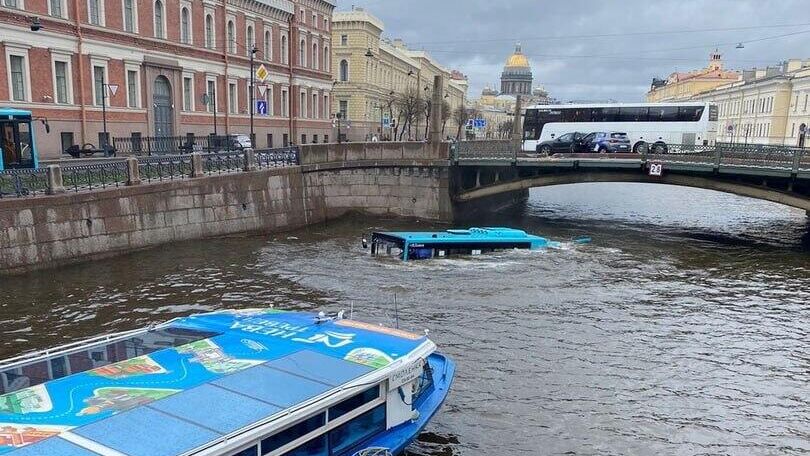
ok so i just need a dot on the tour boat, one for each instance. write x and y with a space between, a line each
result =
473 241
229 383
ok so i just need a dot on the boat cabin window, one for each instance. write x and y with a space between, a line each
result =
315 447
101 357
15 143
354 402
293 433
357 430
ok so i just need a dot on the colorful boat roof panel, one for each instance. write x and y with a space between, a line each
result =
263 360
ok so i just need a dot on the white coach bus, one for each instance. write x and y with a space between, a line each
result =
656 125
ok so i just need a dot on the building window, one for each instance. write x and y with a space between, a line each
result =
344 70
268 45
95 12
314 20
302 104
344 40
326 58
19 80
303 139
56 8
315 54
325 114
212 95
302 53
209 31
250 41
268 96
343 110
188 93
98 85
185 26
132 89
285 50
231 37
315 110
129 16
285 104
233 104
160 30
60 70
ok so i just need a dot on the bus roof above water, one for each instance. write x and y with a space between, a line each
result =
14 114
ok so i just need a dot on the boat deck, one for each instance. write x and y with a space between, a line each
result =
239 370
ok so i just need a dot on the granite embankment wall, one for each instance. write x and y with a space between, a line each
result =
382 178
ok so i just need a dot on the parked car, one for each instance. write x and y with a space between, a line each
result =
562 143
603 142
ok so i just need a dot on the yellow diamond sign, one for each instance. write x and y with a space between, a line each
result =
262 73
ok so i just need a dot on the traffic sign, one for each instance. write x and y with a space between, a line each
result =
113 89
262 73
480 123
656 169
730 129
262 90
386 121
261 107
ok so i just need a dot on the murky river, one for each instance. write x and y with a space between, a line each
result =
683 329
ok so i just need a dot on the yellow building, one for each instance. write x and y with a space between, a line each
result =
371 72
766 106
684 86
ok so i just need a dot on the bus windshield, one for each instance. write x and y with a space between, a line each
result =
16 145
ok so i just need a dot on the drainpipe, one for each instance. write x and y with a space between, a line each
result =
79 47
293 39
225 54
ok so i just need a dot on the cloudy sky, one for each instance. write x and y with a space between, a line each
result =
596 49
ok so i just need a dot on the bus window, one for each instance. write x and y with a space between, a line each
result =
633 114
664 114
610 115
690 113
26 149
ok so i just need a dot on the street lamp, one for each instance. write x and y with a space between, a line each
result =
253 51
369 54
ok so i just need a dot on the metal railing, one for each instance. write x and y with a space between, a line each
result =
275 158
173 145
23 182
89 177
133 171
169 167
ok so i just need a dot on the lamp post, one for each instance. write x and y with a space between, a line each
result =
253 51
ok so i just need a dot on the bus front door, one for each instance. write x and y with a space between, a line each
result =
15 143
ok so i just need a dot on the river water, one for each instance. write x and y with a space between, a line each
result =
683 329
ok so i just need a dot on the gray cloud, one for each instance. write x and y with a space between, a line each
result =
652 38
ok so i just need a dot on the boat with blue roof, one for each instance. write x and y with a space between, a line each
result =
416 245
230 383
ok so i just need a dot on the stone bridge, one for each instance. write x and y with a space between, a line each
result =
488 169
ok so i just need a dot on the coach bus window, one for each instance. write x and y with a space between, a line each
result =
690 113
633 114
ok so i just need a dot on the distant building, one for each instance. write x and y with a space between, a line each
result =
765 106
371 72
683 86
517 78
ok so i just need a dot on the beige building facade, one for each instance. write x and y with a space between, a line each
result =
372 72
767 106
681 86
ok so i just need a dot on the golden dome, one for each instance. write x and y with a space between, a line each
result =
518 60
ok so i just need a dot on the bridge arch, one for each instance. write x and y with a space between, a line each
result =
708 183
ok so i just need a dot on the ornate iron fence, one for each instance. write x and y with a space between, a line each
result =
276 158
23 182
169 167
484 150
173 145
223 162
88 177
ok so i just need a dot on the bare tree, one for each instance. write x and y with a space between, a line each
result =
461 115
410 107
446 114
505 129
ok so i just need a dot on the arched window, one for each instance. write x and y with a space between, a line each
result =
231 37
268 46
302 53
209 32
159 29
285 50
249 40
326 58
344 70
185 26
315 54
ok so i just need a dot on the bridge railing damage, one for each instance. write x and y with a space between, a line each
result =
135 170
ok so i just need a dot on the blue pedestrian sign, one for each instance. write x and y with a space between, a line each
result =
261 107
479 123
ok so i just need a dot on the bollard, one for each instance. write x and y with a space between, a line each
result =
196 165
133 171
55 184
250 160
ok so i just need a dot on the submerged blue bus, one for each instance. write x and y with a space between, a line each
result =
17 143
